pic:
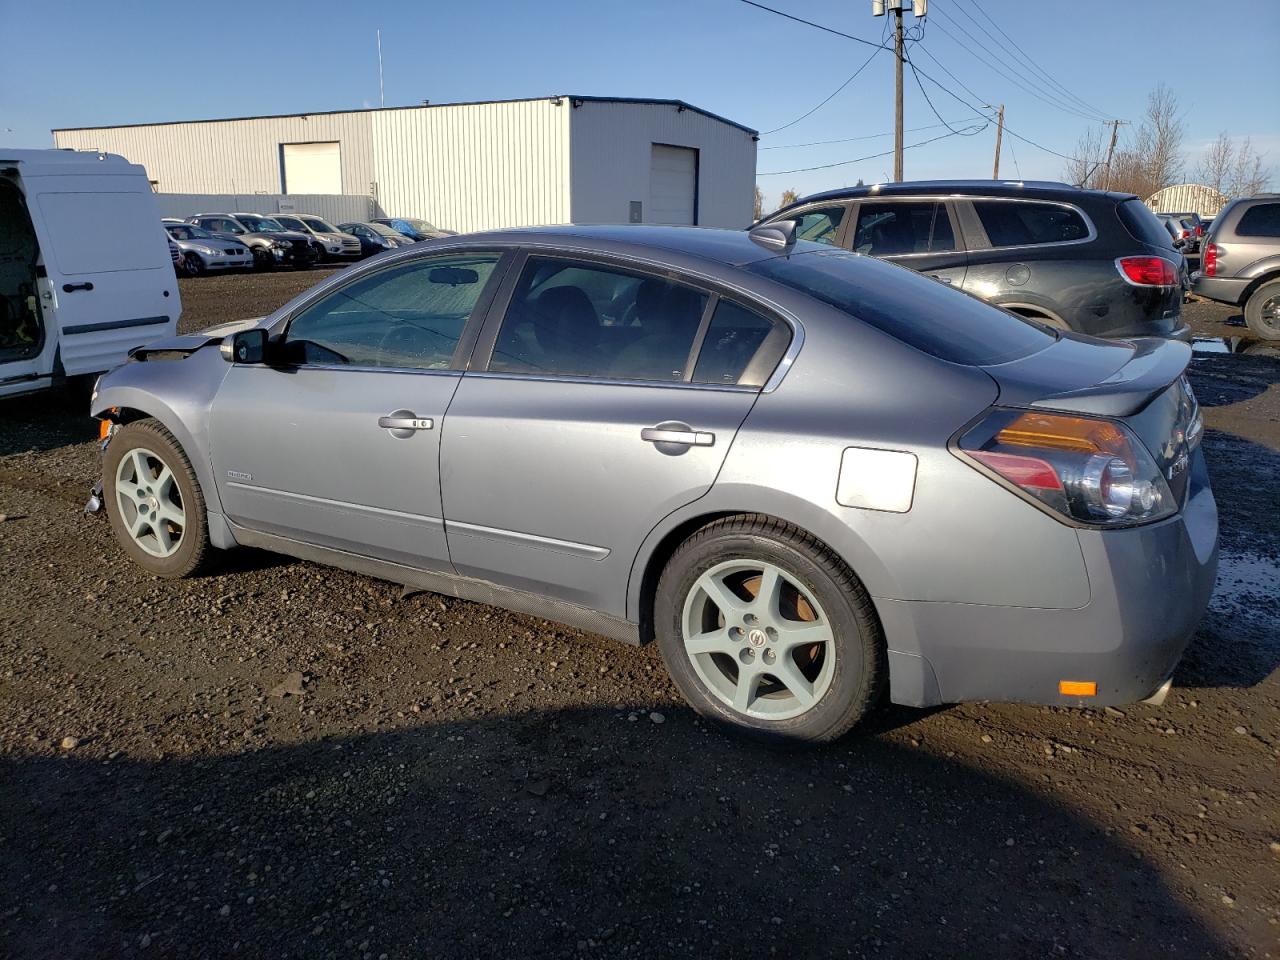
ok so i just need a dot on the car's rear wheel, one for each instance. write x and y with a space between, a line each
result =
1262 311
767 631
154 501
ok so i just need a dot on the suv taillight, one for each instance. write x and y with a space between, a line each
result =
1148 271
1199 229
1209 262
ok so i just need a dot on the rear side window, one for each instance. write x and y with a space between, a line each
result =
915 309
1010 223
822 225
890 229
1143 225
1262 220
733 338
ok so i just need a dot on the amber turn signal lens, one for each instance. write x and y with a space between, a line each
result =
1078 688
1064 433
104 429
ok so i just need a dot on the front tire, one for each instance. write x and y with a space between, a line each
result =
192 265
766 631
154 501
1262 311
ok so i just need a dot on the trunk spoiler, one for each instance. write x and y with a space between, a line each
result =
1155 364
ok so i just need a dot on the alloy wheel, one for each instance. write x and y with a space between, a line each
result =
150 502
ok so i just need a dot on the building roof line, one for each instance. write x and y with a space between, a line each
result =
574 100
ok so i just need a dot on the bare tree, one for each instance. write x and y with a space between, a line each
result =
758 210
1231 169
789 196
1148 159
1214 169
1087 169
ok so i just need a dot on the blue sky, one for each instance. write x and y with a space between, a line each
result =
97 63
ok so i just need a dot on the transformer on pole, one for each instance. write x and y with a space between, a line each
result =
919 8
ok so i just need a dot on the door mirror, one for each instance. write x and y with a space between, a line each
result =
247 346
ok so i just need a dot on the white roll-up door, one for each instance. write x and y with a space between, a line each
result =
311 167
673 185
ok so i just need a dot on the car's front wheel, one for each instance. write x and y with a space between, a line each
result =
1262 311
766 630
154 501
192 265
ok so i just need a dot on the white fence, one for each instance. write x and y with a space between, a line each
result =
336 208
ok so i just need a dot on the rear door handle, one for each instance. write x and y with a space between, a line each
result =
73 287
688 438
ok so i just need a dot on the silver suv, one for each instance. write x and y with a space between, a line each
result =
1240 263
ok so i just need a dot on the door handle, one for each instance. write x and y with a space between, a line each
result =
940 279
405 420
73 287
688 438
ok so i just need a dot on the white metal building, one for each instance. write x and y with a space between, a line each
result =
467 166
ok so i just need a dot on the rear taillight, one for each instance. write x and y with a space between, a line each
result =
1088 470
1209 262
1148 271
1185 234
1199 229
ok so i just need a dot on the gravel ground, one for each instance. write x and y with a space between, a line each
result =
281 760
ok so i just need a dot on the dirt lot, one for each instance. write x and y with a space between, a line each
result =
281 760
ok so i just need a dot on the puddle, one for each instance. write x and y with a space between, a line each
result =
1202 347
1248 587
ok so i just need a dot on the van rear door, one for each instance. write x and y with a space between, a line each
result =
111 283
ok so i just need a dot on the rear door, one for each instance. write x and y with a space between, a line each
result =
107 262
601 398
916 233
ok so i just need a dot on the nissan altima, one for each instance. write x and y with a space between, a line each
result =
817 480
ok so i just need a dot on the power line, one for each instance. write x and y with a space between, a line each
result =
852 77
925 94
969 132
816 26
1018 51
869 136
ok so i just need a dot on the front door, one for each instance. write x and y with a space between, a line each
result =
337 441
918 234
610 399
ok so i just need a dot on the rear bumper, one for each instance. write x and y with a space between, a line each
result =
1149 587
1222 289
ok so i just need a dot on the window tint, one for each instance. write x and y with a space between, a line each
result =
1016 223
733 338
887 229
1260 221
821 225
408 317
913 308
571 319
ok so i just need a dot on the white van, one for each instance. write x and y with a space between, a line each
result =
85 269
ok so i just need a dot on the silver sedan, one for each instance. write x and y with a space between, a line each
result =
816 479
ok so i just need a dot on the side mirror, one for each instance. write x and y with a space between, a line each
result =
247 346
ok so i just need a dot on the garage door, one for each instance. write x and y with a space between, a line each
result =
311 168
673 185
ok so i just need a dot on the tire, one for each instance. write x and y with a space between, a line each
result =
154 501
262 260
1262 311
192 265
834 676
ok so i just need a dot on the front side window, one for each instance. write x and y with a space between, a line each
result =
821 224
575 319
887 229
318 225
1011 223
406 317
1262 220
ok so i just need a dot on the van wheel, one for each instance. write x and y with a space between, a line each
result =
1262 311
154 501
767 632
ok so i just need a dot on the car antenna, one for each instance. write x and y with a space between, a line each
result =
780 235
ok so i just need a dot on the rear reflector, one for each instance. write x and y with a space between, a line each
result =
1148 271
1078 688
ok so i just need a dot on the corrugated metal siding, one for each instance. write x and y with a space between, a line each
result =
475 166
231 156
1188 198
336 208
610 154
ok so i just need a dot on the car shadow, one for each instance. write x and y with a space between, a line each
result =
586 833
47 420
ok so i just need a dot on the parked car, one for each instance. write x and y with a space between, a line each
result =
414 228
334 244
1241 262
1195 223
811 476
270 243
1082 260
1183 230
203 252
175 257
375 237
85 275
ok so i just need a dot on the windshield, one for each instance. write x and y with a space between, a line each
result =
915 309
320 226
291 223
386 231
185 231
420 225
256 224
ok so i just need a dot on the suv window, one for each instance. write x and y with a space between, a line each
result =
1262 220
886 229
406 317
734 337
1143 225
1018 223
821 224
573 319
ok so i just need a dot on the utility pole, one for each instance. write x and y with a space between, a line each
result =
919 8
1115 132
995 170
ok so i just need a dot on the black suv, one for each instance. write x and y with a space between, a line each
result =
1084 260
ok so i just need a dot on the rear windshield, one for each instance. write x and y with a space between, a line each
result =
917 310
1143 225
